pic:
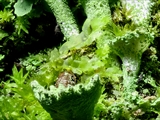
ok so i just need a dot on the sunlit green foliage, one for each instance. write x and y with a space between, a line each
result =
1 58
32 62
17 101
6 16
113 43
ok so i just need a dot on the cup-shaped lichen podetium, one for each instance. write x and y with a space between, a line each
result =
69 103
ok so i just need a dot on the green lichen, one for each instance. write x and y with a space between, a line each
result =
71 103
98 14
95 8
64 17
130 42
140 14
